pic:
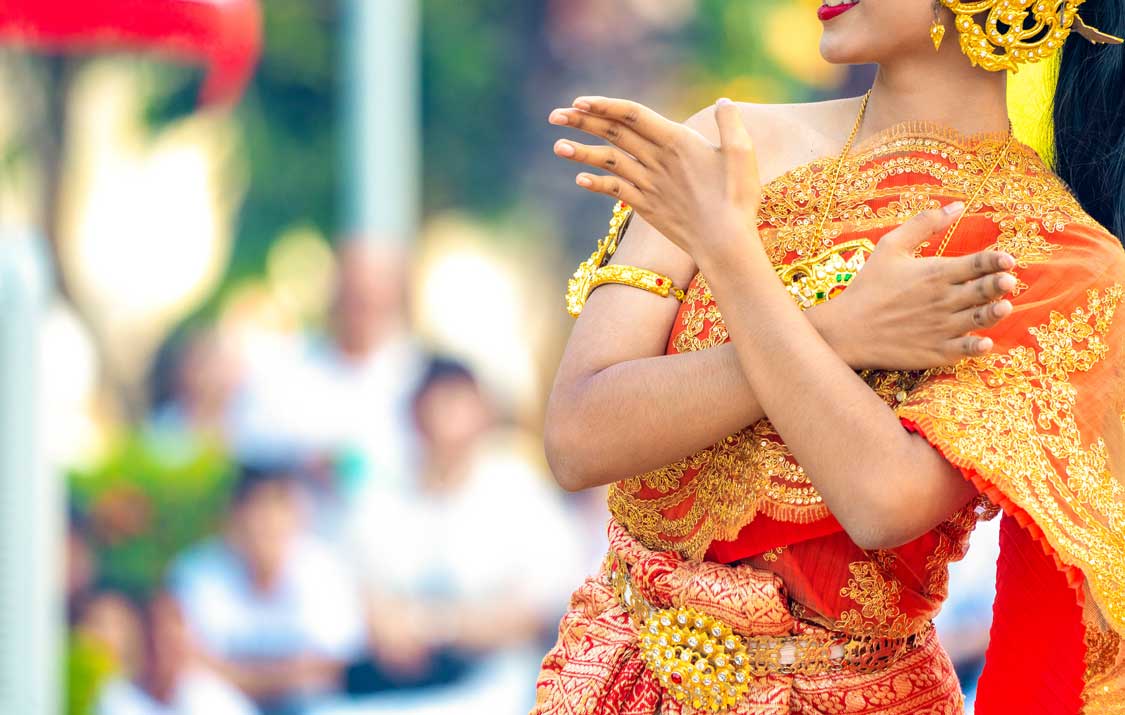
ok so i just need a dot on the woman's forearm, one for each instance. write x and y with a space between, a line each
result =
642 414
885 485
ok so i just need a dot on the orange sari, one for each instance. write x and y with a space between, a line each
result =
738 534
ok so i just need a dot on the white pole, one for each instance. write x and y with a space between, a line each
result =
31 498
382 136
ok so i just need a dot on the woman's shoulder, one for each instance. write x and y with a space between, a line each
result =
787 135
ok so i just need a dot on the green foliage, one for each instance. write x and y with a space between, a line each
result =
88 666
478 59
289 125
150 498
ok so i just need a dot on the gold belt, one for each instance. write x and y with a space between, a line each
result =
699 659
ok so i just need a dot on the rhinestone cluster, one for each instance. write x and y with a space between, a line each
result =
696 658
814 280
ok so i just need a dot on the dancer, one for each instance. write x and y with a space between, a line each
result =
926 314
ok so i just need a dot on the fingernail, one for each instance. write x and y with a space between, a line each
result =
984 345
558 117
1007 282
583 104
584 180
724 100
954 208
1007 262
564 148
1003 308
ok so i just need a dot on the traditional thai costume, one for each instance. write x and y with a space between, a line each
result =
730 587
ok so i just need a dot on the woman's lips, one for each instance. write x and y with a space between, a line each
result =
827 12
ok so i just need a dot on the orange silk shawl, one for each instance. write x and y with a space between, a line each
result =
1037 427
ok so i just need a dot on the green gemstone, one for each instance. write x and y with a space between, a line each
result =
820 295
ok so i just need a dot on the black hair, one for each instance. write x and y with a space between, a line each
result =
1089 117
440 369
253 476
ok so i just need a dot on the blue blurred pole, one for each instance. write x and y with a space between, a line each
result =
382 137
31 499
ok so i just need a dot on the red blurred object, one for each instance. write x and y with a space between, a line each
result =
224 35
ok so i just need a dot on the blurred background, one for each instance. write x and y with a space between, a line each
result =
282 298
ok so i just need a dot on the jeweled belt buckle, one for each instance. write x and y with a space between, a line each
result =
699 659
696 658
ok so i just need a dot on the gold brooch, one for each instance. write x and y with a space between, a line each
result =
815 280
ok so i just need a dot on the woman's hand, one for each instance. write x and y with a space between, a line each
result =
698 195
908 313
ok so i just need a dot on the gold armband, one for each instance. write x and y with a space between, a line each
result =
596 270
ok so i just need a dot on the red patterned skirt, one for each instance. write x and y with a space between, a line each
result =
652 633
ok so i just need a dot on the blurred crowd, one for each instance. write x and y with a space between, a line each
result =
387 541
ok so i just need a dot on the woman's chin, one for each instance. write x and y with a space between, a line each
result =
836 51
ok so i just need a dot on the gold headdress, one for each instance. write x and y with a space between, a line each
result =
1017 32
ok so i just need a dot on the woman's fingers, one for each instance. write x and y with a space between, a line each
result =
613 186
981 317
603 157
975 265
652 126
735 142
966 346
910 235
611 130
982 290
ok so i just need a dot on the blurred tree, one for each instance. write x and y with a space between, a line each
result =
289 127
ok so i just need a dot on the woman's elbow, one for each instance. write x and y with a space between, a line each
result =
563 445
881 523
875 537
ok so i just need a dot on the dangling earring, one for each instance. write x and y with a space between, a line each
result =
937 30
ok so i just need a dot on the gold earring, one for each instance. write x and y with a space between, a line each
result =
937 29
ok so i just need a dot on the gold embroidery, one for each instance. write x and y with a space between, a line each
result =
1022 238
945 165
877 592
746 473
773 555
702 325
713 494
1010 416
1101 651
953 543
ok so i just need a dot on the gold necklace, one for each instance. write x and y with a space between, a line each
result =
830 204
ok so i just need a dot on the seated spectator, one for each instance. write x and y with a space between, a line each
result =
272 609
170 680
467 568
342 396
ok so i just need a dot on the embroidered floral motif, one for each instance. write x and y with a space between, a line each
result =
953 543
1011 417
702 326
713 494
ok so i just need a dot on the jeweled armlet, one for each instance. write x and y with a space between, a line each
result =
596 270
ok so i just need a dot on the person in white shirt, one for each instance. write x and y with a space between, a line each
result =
466 569
343 396
171 680
272 609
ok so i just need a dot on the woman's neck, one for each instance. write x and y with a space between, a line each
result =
951 92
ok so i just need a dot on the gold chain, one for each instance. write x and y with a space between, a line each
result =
840 164
847 150
976 194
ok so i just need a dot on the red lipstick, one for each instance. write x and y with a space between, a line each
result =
827 12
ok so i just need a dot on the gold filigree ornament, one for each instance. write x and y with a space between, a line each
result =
596 271
818 279
696 658
1015 32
